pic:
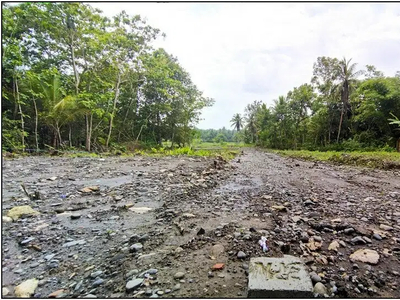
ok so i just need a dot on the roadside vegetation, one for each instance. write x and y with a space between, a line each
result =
226 152
344 115
373 159
74 80
343 108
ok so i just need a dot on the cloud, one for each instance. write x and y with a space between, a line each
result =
240 52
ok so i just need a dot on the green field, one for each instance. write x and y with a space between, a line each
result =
376 159
208 145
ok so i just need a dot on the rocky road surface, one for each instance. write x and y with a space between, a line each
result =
187 227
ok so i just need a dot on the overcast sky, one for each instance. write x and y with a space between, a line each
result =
240 52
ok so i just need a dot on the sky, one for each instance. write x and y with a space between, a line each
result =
240 52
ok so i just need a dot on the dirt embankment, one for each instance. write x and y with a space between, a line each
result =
155 227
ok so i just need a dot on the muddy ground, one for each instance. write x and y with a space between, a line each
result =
176 217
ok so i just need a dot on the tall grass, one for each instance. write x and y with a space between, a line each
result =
374 159
188 151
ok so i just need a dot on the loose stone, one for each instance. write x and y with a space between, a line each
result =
241 254
179 275
98 282
377 236
315 277
133 284
95 274
320 288
136 247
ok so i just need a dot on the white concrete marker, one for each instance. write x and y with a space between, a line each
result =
279 277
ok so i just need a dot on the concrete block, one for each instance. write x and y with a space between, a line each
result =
279 277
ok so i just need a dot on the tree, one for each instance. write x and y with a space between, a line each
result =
236 122
251 111
300 102
95 79
396 121
347 76
372 72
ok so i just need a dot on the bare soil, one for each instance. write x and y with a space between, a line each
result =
190 214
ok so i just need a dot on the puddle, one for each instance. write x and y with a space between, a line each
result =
240 183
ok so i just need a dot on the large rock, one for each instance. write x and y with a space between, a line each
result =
27 288
279 278
25 210
366 256
131 285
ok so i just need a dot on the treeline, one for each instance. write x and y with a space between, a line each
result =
217 135
72 78
342 108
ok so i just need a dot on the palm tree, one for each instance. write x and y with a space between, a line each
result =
59 109
347 75
237 121
396 121
251 126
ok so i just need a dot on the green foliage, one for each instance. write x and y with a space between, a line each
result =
217 135
377 159
336 112
226 153
395 120
74 78
10 135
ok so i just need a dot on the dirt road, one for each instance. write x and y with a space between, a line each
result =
155 227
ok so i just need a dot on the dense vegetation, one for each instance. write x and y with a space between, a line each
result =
72 78
217 135
342 108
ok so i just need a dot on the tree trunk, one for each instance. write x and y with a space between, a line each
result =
70 136
54 139
140 131
329 133
114 108
88 130
340 124
158 136
128 110
76 74
58 128
21 114
36 126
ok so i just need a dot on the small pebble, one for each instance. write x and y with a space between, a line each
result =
241 254
98 282
179 275
377 237
148 292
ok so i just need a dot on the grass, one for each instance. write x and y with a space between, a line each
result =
227 150
226 153
188 151
224 145
375 159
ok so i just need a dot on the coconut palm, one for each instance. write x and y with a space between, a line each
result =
237 121
396 121
60 109
347 76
